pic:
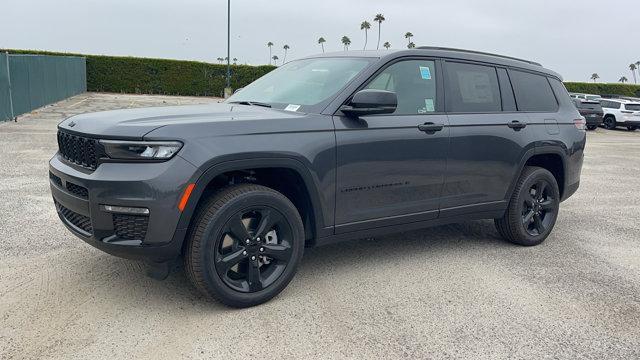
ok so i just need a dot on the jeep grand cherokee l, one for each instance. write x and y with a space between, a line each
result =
322 149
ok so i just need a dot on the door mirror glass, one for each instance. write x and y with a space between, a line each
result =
370 102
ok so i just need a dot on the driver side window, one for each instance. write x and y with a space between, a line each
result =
414 83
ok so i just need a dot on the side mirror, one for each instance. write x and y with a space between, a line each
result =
370 102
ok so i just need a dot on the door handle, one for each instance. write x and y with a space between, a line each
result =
430 128
517 125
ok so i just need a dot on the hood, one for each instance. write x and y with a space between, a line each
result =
136 123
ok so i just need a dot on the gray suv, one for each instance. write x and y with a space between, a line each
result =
323 149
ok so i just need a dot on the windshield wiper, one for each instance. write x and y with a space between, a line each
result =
250 103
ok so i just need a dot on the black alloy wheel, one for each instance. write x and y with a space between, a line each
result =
538 208
609 123
245 245
254 249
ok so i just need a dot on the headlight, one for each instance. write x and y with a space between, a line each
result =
141 150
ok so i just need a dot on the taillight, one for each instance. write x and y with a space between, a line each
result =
581 124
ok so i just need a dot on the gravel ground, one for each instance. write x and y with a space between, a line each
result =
447 292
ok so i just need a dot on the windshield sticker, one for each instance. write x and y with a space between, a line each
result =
292 107
429 105
425 72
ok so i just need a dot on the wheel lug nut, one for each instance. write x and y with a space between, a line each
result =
253 258
247 241
244 253
261 249
258 239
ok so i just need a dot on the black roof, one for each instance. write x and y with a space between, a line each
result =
447 53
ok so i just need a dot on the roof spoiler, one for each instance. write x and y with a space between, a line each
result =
478 53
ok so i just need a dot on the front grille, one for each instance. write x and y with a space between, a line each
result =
55 179
80 221
130 227
78 190
78 150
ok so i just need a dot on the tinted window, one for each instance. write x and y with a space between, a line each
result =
414 82
472 88
533 92
560 91
632 107
610 104
508 100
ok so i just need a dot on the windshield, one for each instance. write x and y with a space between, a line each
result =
302 83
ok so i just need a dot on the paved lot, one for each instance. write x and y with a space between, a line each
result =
451 291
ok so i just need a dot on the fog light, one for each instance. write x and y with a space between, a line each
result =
125 210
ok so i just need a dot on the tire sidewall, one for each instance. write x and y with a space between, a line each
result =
212 235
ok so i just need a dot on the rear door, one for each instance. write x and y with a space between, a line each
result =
488 138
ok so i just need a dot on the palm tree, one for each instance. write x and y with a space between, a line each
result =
220 59
269 45
379 18
623 79
633 68
346 42
595 77
321 41
386 45
408 36
286 47
411 45
275 59
235 61
365 25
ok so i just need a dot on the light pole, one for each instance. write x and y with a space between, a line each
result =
227 90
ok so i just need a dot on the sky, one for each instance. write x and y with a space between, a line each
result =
574 38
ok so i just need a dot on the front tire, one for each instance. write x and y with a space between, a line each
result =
245 245
609 122
533 208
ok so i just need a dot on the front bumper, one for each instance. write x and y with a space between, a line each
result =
79 196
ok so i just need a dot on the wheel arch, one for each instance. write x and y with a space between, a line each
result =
304 194
552 158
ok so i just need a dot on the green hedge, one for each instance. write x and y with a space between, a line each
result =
602 89
160 76
178 77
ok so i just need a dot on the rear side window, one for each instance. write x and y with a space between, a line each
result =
472 88
610 104
533 92
562 95
632 107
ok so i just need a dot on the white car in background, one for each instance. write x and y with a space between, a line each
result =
619 112
585 96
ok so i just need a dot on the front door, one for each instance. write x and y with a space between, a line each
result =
390 168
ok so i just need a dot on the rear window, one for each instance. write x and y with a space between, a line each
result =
632 107
533 92
472 88
591 105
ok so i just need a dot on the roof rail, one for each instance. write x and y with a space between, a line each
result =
477 52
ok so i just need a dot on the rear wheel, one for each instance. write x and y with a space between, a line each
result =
245 246
609 122
533 208
632 128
